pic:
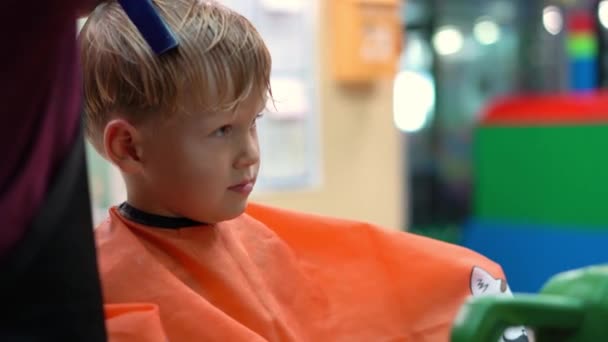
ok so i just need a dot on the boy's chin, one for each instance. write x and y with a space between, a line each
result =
232 212
226 211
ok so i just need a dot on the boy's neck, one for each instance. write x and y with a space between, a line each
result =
153 220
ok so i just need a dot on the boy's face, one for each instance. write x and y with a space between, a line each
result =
201 166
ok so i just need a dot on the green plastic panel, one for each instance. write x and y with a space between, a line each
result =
542 174
582 46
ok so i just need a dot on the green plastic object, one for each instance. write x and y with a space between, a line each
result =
582 46
547 175
571 307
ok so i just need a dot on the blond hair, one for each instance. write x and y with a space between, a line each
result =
221 60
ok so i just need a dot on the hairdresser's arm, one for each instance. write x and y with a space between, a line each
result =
40 96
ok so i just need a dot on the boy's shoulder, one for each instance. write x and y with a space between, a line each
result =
316 235
431 279
298 224
111 230
327 234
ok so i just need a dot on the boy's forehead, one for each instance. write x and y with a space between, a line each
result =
251 106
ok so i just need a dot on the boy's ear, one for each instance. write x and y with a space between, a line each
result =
122 143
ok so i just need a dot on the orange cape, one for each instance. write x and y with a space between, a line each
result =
277 275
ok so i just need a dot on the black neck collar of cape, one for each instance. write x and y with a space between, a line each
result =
156 221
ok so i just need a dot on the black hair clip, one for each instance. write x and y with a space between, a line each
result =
152 27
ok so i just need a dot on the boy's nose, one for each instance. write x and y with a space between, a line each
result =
249 154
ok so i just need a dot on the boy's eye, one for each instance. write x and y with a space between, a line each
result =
222 131
255 120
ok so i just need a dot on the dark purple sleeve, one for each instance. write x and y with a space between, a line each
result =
40 90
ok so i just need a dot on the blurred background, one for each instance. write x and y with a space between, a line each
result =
478 122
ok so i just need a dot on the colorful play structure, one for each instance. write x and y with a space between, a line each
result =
541 186
540 205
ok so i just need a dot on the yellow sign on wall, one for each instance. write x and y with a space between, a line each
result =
366 39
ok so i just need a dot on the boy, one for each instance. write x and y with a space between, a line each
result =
185 258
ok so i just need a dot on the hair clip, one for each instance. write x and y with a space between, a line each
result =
152 27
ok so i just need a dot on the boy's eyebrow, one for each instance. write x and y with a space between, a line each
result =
210 116
262 107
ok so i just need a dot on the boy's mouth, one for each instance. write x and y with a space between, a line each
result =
245 187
